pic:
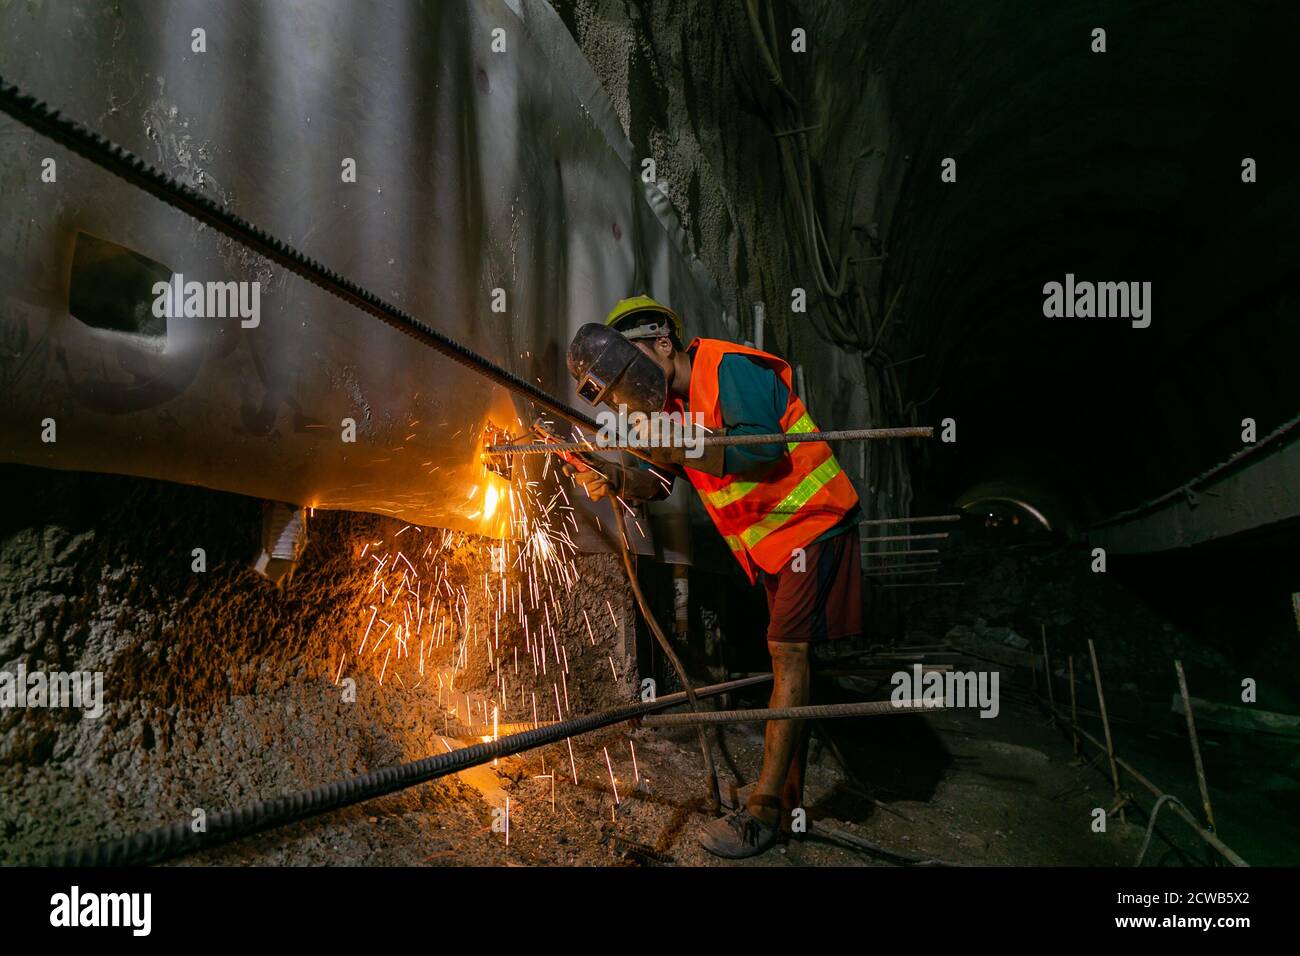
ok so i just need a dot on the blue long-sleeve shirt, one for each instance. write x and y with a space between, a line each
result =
752 398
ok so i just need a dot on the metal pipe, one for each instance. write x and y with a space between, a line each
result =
926 518
1074 709
873 708
909 537
791 132
1196 747
719 441
1105 723
1047 666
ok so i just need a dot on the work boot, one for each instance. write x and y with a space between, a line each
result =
737 835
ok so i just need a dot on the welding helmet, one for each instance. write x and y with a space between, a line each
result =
641 317
611 370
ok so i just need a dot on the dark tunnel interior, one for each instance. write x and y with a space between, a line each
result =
1127 172
359 594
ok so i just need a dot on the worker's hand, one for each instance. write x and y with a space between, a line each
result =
630 484
596 484
710 458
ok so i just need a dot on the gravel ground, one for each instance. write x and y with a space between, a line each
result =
218 688
221 690
948 787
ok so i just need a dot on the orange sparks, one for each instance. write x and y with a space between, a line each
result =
612 782
429 599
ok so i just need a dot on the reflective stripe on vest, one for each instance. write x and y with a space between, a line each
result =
792 502
804 424
738 489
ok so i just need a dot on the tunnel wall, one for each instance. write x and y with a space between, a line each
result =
477 170
686 81
486 171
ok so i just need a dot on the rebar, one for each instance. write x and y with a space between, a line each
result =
1227 852
1105 723
1196 746
719 441
928 519
177 839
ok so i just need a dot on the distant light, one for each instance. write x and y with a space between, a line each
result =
1028 508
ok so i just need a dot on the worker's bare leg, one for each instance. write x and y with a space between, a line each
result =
781 739
792 793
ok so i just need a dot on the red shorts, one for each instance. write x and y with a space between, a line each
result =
821 602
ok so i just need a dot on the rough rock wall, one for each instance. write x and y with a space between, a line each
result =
219 689
688 83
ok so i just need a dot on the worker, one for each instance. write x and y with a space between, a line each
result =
787 511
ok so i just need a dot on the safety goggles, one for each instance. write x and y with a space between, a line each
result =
592 388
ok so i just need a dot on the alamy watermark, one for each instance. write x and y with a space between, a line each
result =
947 689
1098 300
653 430
208 300
74 908
82 690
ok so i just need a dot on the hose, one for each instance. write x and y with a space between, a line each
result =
1151 824
712 794
152 846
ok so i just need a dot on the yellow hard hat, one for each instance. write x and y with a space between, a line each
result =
654 319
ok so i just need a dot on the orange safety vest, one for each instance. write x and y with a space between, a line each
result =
764 516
